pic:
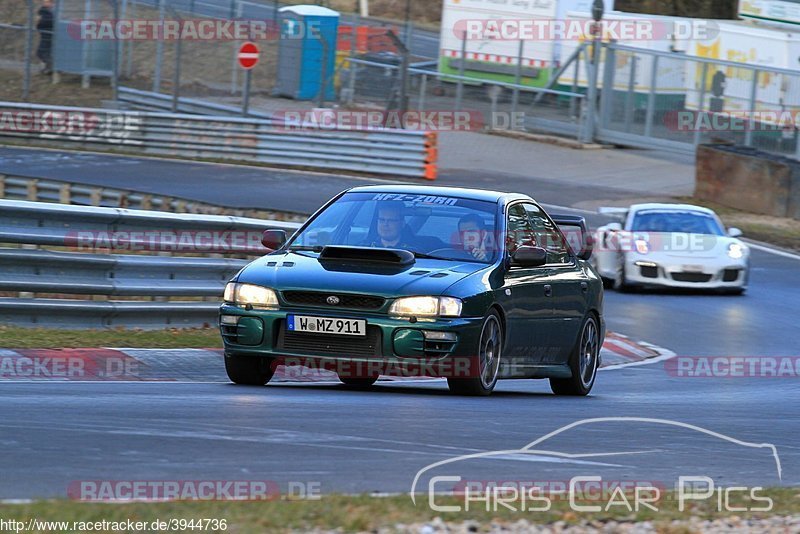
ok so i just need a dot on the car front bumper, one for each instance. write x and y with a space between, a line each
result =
391 346
713 273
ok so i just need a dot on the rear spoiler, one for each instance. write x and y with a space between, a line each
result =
577 234
617 213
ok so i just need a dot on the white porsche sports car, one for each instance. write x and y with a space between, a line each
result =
671 245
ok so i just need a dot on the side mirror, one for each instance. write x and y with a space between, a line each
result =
735 232
529 257
614 227
273 239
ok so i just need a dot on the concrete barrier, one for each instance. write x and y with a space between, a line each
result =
748 179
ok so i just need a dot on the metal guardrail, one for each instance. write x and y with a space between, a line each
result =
382 151
68 271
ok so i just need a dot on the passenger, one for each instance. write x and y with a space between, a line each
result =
474 237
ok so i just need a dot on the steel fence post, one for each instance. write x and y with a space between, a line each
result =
461 68
176 77
423 92
234 65
159 50
351 80
26 86
115 60
607 95
518 77
591 107
701 104
324 71
574 101
630 97
85 78
751 124
651 99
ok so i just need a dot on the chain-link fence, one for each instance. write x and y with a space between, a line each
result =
512 92
672 100
20 44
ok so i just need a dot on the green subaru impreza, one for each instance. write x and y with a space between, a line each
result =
468 285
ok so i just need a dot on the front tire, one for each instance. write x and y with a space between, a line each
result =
248 370
490 349
583 362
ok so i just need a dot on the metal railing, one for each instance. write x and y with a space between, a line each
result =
42 284
264 141
675 101
491 105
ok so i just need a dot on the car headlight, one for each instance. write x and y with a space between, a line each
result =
642 246
426 307
256 296
736 251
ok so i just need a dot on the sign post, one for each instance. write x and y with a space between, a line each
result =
248 58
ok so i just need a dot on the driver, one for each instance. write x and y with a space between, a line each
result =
474 238
391 226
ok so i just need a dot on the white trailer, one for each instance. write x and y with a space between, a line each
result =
492 59
754 45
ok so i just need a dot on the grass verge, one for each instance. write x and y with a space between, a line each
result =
46 338
365 513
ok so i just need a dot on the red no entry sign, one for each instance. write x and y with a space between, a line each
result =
248 55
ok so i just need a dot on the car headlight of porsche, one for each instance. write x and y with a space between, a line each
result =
426 307
249 294
642 246
736 251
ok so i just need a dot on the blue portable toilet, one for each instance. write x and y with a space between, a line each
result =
307 46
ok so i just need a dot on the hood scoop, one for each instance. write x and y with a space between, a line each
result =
383 256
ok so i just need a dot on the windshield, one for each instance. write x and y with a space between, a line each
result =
437 226
689 222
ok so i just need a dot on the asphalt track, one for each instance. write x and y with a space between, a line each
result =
351 441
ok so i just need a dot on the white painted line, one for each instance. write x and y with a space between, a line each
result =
778 252
667 355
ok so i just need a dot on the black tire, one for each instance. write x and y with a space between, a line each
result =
248 370
489 353
583 362
358 382
608 283
621 283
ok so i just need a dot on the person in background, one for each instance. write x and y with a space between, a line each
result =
45 28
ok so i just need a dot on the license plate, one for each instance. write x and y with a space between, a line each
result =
693 268
326 325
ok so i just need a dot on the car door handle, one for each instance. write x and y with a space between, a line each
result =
548 291
585 287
